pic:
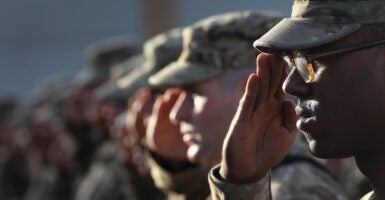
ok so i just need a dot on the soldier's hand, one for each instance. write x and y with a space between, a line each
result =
140 107
163 137
263 129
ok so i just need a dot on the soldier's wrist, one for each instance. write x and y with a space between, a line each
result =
240 176
173 166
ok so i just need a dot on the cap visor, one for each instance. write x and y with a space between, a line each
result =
183 73
291 34
135 79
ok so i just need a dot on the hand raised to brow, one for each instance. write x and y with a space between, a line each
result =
163 137
263 128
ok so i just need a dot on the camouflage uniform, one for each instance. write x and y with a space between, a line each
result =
107 177
313 23
223 42
187 183
52 166
158 52
14 141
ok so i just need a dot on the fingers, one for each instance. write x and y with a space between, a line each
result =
271 73
247 103
263 73
289 116
277 69
279 94
136 102
171 96
167 102
158 106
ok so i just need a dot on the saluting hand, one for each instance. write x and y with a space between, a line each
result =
263 128
163 137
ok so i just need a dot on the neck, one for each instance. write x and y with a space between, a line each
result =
373 168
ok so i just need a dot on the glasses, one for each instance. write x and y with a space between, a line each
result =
304 63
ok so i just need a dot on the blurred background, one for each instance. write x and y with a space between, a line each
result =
41 39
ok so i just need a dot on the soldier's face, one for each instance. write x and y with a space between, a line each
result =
342 113
204 112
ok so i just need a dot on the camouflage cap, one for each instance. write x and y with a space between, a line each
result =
158 52
111 93
89 77
122 69
318 22
215 44
105 53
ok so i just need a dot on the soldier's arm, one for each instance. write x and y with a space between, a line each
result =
178 179
260 135
221 190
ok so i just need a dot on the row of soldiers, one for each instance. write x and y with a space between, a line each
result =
148 122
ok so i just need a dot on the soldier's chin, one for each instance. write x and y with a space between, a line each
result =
192 153
324 151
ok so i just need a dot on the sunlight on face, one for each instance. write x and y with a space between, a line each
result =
199 103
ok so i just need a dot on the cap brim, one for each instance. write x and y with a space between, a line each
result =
295 34
135 79
183 73
89 77
110 92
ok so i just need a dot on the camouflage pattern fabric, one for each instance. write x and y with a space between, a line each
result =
315 22
158 51
189 184
297 180
107 178
216 44
352 11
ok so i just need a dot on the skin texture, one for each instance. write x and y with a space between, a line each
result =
341 114
140 108
163 136
204 110
263 128
348 95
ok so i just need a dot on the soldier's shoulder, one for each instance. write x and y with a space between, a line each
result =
305 180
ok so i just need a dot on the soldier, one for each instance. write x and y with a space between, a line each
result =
102 57
108 178
212 70
159 51
52 166
336 49
14 141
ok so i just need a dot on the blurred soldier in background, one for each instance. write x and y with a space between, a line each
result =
53 168
64 140
109 177
102 57
14 141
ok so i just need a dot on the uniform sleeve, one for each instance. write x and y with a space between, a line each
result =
190 183
221 190
302 180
